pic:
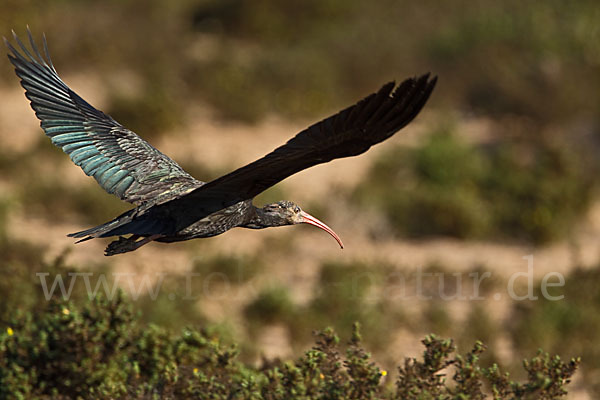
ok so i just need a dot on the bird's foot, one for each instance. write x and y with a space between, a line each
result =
125 245
121 245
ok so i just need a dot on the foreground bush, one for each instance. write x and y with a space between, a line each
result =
101 350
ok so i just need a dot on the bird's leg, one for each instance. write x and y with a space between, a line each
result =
148 239
124 245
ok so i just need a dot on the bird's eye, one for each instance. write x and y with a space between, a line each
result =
297 209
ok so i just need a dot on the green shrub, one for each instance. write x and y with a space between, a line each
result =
101 350
271 305
567 326
425 380
532 191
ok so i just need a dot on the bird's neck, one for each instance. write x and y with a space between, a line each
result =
260 220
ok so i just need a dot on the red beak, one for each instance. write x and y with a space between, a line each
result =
309 219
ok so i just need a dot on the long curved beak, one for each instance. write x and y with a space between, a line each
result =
309 219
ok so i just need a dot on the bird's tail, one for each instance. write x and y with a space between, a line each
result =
104 229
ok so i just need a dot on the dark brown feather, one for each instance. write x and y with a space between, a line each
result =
348 133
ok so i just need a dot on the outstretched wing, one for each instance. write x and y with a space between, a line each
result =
348 133
120 161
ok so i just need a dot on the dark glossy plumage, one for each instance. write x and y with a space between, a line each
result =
171 204
121 162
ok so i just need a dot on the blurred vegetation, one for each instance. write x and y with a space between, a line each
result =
45 196
527 70
570 324
532 191
345 294
233 269
101 350
152 111
248 58
272 304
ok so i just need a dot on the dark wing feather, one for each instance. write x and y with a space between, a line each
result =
348 133
120 161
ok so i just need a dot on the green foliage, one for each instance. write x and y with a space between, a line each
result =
426 379
506 61
546 379
569 325
272 304
69 351
529 191
101 350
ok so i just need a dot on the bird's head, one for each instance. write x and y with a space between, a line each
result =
288 213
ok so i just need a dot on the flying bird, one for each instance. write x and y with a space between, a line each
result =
170 204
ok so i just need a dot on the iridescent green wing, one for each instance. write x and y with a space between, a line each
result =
121 162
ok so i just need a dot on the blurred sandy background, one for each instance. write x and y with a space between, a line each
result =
501 164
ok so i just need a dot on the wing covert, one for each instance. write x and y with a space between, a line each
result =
119 160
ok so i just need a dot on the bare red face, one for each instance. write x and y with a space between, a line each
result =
309 219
